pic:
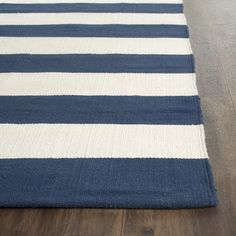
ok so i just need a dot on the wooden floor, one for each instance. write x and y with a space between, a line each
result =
212 26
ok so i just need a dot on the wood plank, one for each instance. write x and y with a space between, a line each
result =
41 222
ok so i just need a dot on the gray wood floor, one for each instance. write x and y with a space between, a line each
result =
213 36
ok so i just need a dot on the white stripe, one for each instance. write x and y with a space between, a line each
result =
94 45
91 18
20 84
92 1
96 140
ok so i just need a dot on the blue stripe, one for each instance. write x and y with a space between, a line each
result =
92 7
80 30
100 109
109 183
113 63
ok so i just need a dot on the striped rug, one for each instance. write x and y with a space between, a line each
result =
99 106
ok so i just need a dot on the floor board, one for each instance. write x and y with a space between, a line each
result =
213 39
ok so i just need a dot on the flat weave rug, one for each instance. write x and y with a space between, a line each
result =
99 106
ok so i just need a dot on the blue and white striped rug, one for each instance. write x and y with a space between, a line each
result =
99 106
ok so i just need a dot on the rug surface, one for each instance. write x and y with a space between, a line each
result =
99 106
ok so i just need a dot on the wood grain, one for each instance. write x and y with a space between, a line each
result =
84 222
213 39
